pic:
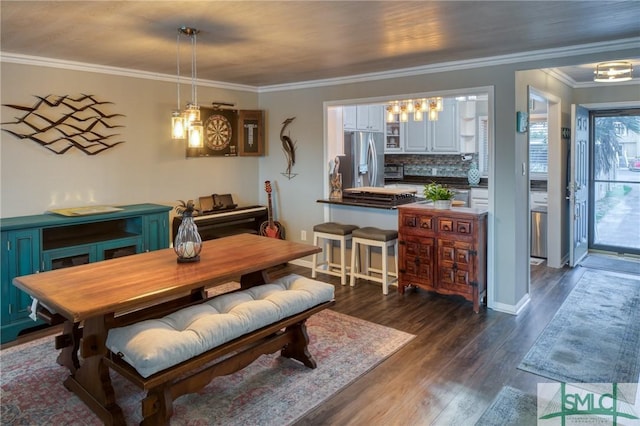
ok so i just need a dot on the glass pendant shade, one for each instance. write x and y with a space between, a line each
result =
192 113
390 115
196 135
439 104
178 128
433 114
187 243
417 115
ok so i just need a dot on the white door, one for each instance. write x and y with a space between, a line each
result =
579 185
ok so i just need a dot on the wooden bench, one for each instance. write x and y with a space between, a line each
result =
281 309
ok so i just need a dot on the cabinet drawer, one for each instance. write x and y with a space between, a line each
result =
455 226
416 222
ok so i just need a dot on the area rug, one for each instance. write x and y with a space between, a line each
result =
607 263
271 391
595 335
510 407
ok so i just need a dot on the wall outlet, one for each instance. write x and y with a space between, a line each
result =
434 171
303 235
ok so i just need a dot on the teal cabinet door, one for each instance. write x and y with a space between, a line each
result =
20 256
156 231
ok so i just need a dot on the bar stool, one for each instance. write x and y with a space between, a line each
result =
374 237
329 232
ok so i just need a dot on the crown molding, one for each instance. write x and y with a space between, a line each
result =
123 72
537 55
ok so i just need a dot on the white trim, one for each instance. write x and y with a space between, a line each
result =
536 55
103 69
301 262
512 309
564 78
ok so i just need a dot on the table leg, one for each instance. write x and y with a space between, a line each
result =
91 382
253 279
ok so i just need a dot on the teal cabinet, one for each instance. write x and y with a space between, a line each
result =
20 256
156 235
31 244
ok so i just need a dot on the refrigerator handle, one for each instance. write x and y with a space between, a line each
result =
373 163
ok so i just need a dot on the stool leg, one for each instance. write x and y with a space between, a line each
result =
343 261
314 266
395 258
354 265
385 267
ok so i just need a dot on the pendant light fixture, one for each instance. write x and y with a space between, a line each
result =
189 119
178 124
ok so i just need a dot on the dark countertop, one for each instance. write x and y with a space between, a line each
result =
452 182
356 203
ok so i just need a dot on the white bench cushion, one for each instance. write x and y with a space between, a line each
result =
154 345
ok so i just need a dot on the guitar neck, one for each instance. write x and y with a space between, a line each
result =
270 211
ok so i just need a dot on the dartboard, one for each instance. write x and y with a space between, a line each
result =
218 132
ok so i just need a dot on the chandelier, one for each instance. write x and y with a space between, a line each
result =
418 107
186 124
613 72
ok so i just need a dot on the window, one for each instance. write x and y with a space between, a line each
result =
538 146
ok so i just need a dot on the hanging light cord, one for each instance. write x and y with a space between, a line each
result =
178 66
194 93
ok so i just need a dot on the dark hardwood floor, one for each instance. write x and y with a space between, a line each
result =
454 367
458 361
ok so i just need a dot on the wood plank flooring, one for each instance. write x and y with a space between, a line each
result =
456 365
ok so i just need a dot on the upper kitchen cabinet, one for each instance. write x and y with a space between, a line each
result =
433 137
366 118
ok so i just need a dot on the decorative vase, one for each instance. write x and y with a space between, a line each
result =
473 175
187 243
442 204
335 182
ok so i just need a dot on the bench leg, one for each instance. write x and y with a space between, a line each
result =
157 407
297 349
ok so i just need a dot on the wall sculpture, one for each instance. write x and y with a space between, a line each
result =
60 123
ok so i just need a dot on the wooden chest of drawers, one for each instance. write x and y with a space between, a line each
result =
444 251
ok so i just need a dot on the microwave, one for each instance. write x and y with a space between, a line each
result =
393 171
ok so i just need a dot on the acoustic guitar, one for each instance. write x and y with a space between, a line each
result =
271 228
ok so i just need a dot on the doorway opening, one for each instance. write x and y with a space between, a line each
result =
614 213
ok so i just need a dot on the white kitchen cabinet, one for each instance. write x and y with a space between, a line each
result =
349 120
479 198
366 118
444 131
370 118
433 137
416 136
393 134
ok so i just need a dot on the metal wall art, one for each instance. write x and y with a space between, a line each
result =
289 148
60 123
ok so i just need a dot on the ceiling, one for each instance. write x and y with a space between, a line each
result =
263 43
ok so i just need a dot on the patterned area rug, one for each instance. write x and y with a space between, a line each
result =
595 335
511 407
271 391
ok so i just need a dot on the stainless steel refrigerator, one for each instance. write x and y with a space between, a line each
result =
363 161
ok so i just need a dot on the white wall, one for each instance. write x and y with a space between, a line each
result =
148 167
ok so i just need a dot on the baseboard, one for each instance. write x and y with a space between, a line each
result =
301 262
512 309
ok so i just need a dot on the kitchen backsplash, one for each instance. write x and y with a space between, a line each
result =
425 165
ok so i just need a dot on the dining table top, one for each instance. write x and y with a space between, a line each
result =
131 282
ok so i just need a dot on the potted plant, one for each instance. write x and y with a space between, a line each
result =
439 194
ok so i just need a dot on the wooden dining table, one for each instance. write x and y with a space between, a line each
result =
90 299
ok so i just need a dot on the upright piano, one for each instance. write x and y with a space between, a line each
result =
222 223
